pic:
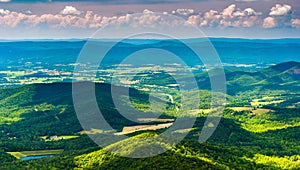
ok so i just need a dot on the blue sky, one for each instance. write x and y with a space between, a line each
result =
41 19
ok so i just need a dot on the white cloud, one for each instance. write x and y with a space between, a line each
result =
147 11
183 12
194 20
229 10
210 19
4 0
269 22
70 17
250 11
231 16
4 11
295 23
70 10
12 19
280 16
279 10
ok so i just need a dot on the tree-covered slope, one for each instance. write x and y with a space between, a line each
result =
263 134
284 76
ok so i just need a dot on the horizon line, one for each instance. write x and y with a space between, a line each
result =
86 39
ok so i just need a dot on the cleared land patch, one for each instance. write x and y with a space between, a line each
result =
56 138
132 129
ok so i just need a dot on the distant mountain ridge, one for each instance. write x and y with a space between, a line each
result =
234 51
286 66
281 76
288 71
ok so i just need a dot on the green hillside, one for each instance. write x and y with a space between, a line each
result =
259 130
284 76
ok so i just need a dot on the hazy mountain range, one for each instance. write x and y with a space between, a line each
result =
234 51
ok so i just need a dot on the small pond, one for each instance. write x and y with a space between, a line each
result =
26 158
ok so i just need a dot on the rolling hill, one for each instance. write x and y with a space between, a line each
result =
284 76
246 138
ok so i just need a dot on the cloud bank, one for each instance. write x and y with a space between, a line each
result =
280 15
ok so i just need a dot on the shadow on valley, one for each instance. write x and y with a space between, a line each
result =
47 110
42 116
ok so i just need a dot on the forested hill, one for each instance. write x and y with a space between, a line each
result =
259 128
283 76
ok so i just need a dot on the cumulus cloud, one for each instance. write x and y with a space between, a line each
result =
70 10
250 11
211 19
147 11
295 23
183 12
194 20
229 10
4 12
13 19
269 22
4 0
279 10
231 16
280 16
